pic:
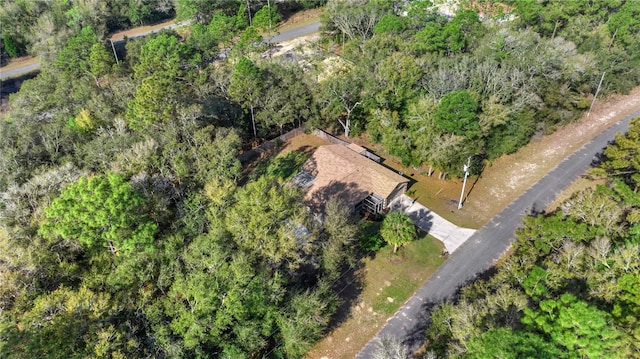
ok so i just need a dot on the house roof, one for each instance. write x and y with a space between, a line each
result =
356 148
343 173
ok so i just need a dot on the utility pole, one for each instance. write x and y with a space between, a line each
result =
465 168
114 52
596 95
249 12
270 28
269 37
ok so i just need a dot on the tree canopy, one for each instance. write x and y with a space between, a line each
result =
398 229
130 228
100 212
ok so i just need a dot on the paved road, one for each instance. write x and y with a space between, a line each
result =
297 32
145 33
32 67
19 71
481 251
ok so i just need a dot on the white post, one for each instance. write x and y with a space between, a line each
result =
114 52
270 25
464 183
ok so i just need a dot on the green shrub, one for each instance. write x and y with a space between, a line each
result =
287 165
10 46
371 242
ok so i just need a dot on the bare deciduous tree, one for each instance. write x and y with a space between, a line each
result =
390 348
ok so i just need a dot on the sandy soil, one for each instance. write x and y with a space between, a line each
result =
285 46
511 175
301 18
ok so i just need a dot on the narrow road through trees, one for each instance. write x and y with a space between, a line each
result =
280 37
18 71
481 250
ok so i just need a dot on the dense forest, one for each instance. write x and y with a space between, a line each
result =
128 227
434 89
571 289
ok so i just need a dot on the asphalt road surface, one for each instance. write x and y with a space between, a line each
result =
145 33
19 71
297 32
480 251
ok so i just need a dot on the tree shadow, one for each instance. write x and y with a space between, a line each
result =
120 48
600 157
536 209
221 111
12 85
256 161
422 217
348 193
257 158
281 165
348 289
416 338
306 149
287 9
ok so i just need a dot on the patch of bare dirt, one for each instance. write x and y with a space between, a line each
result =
285 46
301 18
304 143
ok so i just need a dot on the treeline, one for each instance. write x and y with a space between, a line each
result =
570 288
434 89
115 267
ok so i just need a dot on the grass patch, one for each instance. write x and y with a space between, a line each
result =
441 196
399 273
386 303
383 276
284 165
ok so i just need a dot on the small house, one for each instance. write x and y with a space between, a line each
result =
337 171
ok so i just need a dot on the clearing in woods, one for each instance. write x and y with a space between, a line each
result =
499 184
